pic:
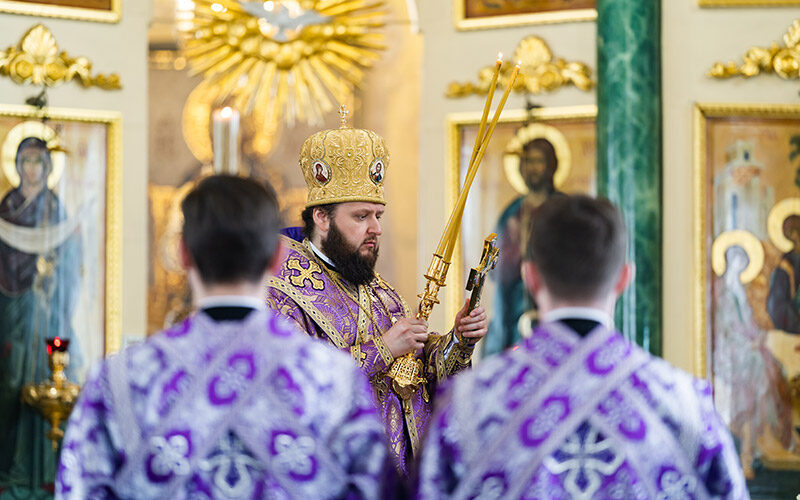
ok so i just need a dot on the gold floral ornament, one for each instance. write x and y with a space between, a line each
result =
37 60
783 61
282 58
538 72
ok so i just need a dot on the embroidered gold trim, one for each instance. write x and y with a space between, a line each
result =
359 356
309 309
411 423
364 303
459 358
383 350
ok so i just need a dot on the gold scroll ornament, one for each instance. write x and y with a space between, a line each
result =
784 60
37 60
538 73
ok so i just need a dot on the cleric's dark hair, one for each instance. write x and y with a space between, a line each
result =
578 245
308 217
34 142
231 228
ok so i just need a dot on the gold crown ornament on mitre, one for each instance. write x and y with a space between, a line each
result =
344 164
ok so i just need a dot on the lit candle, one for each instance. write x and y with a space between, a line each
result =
462 200
226 141
451 229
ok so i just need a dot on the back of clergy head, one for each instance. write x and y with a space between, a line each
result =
344 164
230 230
575 253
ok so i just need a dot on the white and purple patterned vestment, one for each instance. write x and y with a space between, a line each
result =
231 409
565 417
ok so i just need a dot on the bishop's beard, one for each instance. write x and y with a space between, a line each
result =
350 263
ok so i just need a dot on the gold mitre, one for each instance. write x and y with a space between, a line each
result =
344 164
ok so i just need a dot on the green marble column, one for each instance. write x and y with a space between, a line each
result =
629 150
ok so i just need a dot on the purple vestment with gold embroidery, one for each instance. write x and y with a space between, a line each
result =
353 319
231 409
565 417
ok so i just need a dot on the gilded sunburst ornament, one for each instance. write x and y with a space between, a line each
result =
283 59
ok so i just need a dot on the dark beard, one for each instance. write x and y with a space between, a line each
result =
354 267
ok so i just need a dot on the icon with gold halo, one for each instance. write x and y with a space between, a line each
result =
15 137
515 150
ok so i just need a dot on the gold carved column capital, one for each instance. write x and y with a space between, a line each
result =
783 60
37 60
539 72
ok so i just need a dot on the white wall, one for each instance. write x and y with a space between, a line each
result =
112 48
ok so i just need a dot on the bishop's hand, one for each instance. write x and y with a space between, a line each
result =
407 335
472 326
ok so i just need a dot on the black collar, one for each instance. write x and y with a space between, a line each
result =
228 313
581 326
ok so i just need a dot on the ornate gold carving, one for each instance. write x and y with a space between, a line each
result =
344 164
36 60
538 72
783 61
282 58
306 274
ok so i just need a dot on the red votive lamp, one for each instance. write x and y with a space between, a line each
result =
56 344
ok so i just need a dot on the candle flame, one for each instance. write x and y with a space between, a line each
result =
519 63
499 57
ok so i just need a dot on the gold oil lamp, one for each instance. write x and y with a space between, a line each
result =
54 397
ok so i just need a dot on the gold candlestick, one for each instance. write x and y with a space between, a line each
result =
55 397
406 370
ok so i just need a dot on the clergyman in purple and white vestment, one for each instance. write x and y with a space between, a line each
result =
576 411
235 402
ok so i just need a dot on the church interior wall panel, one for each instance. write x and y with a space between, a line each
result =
702 139
454 55
112 48
124 51
495 189
693 40
747 188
